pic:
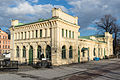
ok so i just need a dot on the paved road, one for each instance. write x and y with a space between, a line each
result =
93 70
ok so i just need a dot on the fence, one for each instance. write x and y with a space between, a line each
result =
8 64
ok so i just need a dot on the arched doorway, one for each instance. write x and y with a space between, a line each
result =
39 52
78 55
70 52
85 52
31 55
17 51
48 52
24 51
63 52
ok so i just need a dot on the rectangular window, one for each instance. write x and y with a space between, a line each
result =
25 35
21 35
29 34
3 46
0 36
6 42
0 46
45 32
40 32
69 34
62 32
0 42
36 33
32 34
73 34
66 33
3 37
3 42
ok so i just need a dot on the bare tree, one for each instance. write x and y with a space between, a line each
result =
108 24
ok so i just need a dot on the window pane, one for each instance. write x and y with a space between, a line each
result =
69 34
41 33
25 35
66 33
63 52
72 34
62 32
70 52
36 33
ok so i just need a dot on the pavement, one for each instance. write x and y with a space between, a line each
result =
93 70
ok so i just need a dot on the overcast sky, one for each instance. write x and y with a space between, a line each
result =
88 11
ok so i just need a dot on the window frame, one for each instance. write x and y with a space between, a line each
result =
63 52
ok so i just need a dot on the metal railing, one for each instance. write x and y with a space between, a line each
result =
8 64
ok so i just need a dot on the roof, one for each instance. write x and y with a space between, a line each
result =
41 20
96 36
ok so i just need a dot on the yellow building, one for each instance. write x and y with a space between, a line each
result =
58 39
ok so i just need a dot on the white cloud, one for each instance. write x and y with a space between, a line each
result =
26 8
24 11
91 28
22 8
90 10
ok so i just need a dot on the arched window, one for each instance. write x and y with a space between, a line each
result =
70 52
17 51
63 52
78 51
24 51
94 52
39 52
78 54
48 52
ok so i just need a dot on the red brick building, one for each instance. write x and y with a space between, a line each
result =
4 42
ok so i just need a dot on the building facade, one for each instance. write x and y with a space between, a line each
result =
58 39
4 42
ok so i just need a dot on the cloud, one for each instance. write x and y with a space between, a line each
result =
24 11
91 28
22 8
34 1
90 10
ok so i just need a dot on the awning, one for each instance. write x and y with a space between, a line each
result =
83 49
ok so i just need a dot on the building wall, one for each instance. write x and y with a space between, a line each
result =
54 35
4 42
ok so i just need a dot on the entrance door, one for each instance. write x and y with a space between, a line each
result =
78 55
48 52
31 55
88 55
